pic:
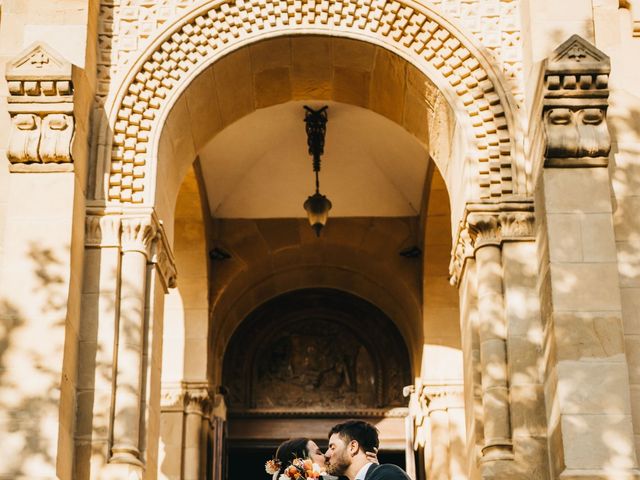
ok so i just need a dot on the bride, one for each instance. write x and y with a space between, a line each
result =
301 458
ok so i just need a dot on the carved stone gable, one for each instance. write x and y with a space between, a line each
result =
39 62
578 55
40 103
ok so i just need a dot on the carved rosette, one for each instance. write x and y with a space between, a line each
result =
575 104
40 103
489 224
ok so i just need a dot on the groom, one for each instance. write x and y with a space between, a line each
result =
346 456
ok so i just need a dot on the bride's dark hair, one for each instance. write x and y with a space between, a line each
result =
294 448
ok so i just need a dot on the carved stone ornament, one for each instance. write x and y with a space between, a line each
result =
162 257
40 103
441 397
576 80
137 234
489 224
102 231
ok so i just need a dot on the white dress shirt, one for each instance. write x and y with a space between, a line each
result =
363 471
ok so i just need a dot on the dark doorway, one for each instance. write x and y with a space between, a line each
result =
248 463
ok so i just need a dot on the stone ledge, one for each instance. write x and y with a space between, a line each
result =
40 167
574 474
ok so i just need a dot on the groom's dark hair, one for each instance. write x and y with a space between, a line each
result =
362 432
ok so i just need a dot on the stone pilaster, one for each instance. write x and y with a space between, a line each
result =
585 376
485 232
137 235
443 406
124 253
477 267
197 406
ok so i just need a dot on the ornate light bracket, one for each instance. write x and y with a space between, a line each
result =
576 80
40 103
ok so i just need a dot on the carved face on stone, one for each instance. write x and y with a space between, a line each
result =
338 456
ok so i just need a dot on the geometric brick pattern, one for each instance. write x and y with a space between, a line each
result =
409 28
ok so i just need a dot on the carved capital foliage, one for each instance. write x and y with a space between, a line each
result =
442 397
133 232
489 224
189 398
484 229
40 103
102 231
137 234
197 400
576 81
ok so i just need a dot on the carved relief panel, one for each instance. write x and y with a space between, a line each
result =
40 103
316 350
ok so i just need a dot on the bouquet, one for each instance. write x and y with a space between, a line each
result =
298 469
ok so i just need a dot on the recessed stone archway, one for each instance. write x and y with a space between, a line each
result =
137 110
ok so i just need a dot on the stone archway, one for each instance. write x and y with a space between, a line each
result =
128 165
307 359
137 109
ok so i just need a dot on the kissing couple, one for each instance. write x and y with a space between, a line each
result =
351 453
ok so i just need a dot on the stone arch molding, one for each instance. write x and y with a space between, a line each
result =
462 71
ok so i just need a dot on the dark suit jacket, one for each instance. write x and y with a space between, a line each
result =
386 472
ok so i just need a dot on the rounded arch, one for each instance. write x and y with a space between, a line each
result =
460 69
336 326
405 312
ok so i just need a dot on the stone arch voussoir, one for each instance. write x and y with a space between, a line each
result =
458 67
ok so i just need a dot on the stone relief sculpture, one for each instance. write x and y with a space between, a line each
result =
41 108
292 358
575 105
324 367
55 141
24 138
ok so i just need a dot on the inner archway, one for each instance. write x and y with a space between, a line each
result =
306 360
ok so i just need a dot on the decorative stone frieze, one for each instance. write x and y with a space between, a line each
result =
40 103
489 224
215 28
576 81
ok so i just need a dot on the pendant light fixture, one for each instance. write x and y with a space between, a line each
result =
317 205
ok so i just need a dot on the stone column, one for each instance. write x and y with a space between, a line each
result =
484 228
444 408
217 422
137 236
196 408
586 378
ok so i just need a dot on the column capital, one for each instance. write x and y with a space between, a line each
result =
137 234
486 224
442 396
102 231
